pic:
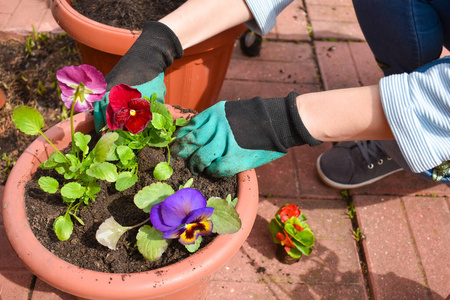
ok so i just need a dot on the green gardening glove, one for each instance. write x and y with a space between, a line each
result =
143 66
235 136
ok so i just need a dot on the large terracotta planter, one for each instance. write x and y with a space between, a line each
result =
186 279
193 81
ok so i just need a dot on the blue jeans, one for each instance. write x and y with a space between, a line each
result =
403 36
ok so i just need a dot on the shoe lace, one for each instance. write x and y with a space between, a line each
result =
372 152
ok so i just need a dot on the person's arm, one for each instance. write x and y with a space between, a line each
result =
345 115
235 136
198 20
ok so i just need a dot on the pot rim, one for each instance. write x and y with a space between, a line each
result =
72 279
116 40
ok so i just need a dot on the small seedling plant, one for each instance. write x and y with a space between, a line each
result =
290 230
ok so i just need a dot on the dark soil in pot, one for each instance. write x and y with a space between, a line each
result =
83 250
130 14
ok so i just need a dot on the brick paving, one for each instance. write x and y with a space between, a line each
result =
404 221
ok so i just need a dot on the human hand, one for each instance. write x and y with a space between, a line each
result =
235 136
143 66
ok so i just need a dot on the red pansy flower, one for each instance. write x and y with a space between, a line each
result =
127 110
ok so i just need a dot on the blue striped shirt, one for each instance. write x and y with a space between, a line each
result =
265 14
417 107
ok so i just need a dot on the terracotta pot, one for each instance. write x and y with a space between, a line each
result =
186 279
193 81
2 99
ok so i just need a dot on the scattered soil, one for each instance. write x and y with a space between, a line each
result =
27 77
130 14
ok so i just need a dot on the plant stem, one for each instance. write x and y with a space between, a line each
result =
140 224
71 120
53 145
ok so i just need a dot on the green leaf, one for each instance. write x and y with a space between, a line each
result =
126 180
187 184
301 248
109 233
63 227
306 236
92 189
225 218
152 195
103 146
125 154
73 190
194 247
181 122
295 253
28 120
103 171
151 243
162 171
158 121
77 218
275 228
82 141
56 156
48 184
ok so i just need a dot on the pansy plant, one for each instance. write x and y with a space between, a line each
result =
289 230
82 168
184 215
141 121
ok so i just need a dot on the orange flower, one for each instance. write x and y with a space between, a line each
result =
285 241
288 212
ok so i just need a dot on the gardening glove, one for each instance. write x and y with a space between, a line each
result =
235 136
143 66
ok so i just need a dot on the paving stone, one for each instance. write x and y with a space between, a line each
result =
2 188
43 291
48 24
283 72
280 51
395 270
330 2
326 30
403 183
309 183
8 258
237 89
291 24
332 13
429 219
369 72
278 178
15 284
8 7
336 65
24 18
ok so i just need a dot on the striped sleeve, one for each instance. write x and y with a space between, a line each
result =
417 107
265 14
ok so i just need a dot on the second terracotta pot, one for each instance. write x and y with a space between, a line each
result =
193 81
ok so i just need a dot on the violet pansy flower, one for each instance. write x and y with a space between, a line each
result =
127 110
183 215
83 84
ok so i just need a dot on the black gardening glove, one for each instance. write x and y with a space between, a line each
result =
143 65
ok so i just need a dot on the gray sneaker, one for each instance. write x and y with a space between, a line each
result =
351 165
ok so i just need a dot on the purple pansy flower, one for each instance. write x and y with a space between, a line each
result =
183 215
83 84
126 110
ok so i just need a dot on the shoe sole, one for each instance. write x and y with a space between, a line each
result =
342 186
